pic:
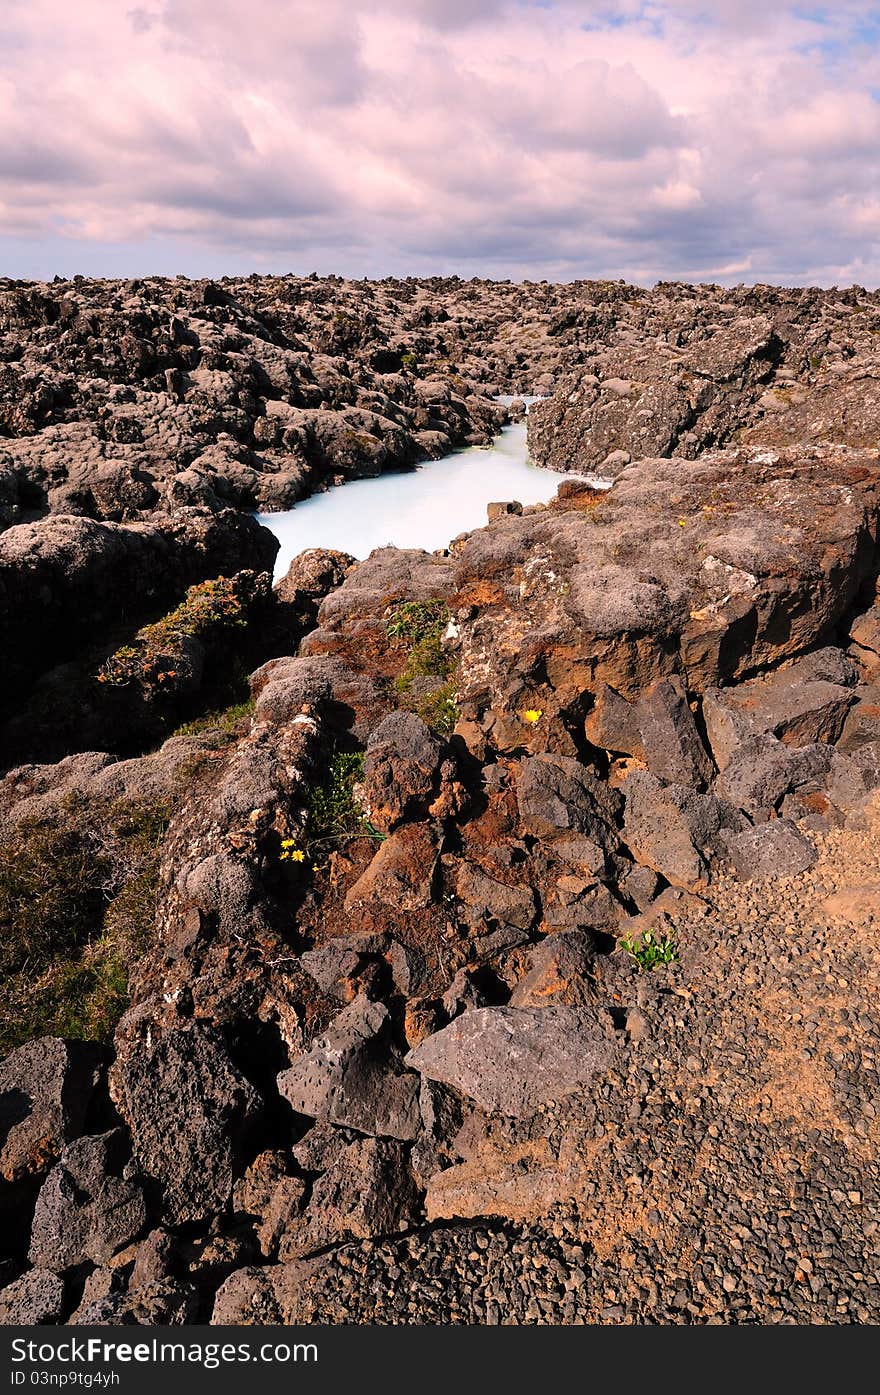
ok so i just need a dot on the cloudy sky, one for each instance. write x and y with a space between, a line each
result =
729 140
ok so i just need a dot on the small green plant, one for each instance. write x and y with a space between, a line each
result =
334 815
409 360
439 709
650 949
420 625
416 621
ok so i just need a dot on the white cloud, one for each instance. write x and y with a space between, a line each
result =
494 135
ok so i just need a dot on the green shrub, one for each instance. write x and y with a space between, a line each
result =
650 949
225 721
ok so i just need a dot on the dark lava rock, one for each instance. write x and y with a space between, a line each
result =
89 1206
511 1060
36 1299
188 1107
347 1077
773 849
46 1087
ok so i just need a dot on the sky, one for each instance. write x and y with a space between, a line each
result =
706 140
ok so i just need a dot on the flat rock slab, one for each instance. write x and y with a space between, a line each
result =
512 1060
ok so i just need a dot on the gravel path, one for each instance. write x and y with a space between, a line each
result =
730 1177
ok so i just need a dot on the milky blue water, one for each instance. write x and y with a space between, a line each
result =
425 507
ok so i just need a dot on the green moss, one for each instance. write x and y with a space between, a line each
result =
439 709
77 905
415 621
421 625
225 721
208 610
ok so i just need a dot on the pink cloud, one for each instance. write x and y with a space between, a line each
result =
687 139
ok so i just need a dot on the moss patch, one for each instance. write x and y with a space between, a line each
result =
419 626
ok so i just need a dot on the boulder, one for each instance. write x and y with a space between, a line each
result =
65 581
403 768
865 631
791 704
402 873
774 849
348 1077
34 1300
345 965
495 901
673 830
90 1205
560 973
512 1060
311 576
613 724
761 770
247 1299
368 1191
188 1108
558 795
671 743
46 1087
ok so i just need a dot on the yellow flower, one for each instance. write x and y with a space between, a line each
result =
298 855
287 842
532 714
682 523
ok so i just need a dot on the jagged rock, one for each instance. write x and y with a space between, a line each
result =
561 973
673 830
853 775
348 1077
36 1299
346 965
188 1108
761 770
46 1087
401 874
865 631
669 737
166 1304
368 1191
712 569
90 1205
613 724
647 403
863 719
641 885
773 849
247 1299
792 704
309 578
556 794
279 1215
404 766
465 991
511 1060
495 901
